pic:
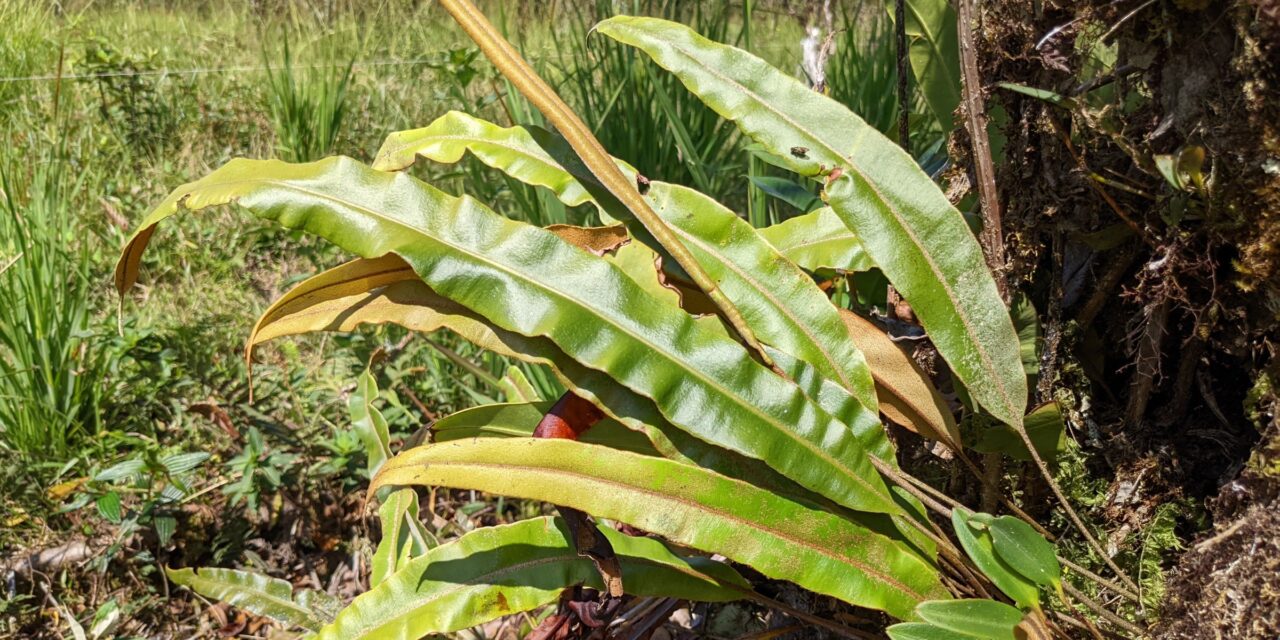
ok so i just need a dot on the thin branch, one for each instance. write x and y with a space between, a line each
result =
992 235
1117 589
1103 611
900 27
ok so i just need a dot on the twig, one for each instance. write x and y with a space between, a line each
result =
1102 292
900 26
839 629
1103 611
1106 197
1117 589
1110 32
992 235
1147 366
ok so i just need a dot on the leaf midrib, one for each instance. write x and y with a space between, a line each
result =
734 399
887 206
784 310
250 591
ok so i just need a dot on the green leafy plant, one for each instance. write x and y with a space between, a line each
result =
716 396
143 492
257 470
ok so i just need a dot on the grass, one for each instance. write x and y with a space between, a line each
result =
308 104
50 376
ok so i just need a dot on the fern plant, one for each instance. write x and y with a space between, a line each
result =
717 397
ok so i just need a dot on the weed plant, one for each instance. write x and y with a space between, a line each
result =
50 372
308 102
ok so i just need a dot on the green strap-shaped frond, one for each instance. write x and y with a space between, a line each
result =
260 594
386 290
783 305
529 281
687 505
903 220
497 571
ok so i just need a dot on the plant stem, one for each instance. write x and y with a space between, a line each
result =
1103 612
992 240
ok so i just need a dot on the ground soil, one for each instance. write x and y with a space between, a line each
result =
1160 310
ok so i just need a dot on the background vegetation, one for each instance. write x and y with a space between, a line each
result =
128 440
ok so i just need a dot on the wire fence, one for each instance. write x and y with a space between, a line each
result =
385 62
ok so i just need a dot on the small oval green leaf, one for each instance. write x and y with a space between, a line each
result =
1024 549
986 619
980 548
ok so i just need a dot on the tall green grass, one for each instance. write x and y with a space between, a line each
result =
50 369
308 102
24 47
640 113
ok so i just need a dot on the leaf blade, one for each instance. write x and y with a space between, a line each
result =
782 304
467 253
263 595
685 504
904 222
496 571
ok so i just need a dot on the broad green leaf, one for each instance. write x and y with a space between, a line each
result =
907 396
784 307
179 463
529 281
902 219
788 311
164 526
109 507
818 240
933 47
452 135
687 505
1045 427
403 536
516 387
122 471
980 548
985 619
1024 549
1027 324
396 295
368 422
496 571
587 151
386 289
520 419
324 606
922 631
262 595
